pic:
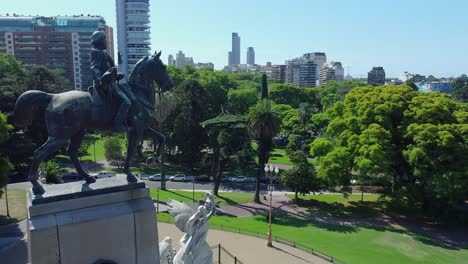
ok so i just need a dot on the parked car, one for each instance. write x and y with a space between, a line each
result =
103 174
239 179
189 178
202 178
178 177
156 177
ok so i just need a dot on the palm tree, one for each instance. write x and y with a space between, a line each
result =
264 124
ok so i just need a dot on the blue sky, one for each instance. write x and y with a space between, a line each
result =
426 37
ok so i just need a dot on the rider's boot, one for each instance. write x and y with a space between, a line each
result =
120 124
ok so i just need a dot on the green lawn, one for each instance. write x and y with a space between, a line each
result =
17 206
357 243
100 152
350 244
224 198
336 205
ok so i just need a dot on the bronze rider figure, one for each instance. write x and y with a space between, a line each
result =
100 63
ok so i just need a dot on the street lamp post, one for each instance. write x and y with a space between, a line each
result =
269 171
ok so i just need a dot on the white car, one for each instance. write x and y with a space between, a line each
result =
103 174
178 177
239 179
156 177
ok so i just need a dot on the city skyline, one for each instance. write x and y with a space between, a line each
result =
418 37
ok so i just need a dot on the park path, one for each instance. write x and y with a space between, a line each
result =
247 248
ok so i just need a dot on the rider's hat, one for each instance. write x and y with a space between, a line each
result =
97 36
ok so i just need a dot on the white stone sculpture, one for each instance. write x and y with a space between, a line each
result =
166 252
194 223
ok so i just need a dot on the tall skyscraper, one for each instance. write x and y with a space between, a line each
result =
234 56
60 42
250 56
133 32
376 76
318 58
230 58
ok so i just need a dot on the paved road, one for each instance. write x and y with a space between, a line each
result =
201 186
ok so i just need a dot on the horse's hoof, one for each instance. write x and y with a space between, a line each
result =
131 179
90 180
38 189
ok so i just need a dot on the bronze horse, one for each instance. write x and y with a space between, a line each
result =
69 114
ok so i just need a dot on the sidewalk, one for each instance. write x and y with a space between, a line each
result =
248 249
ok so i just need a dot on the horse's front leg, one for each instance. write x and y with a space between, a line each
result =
134 136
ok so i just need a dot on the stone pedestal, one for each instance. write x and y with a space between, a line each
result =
80 223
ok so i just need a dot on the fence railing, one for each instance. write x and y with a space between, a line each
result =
222 256
279 239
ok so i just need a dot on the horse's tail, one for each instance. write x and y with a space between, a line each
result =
27 104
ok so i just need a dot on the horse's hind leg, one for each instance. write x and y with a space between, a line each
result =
51 145
159 139
134 135
73 147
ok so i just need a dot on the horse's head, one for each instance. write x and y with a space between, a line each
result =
157 71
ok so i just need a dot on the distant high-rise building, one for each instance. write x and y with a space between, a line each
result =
181 61
376 76
250 56
339 71
234 56
320 59
230 58
327 73
60 42
201 65
133 32
170 60
279 72
301 72
189 62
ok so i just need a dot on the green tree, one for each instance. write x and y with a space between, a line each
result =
264 124
113 148
187 133
286 94
47 80
301 178
5 165
239 101
460 88
264 87
375 132
228 136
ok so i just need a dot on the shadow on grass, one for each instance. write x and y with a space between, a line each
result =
227 200
355 209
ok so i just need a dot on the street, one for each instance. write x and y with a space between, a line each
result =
198 186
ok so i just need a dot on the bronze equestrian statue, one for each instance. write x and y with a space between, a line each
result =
69 114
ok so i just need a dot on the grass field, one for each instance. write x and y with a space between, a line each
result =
100 153
336 205
17 206
350 244
224 198
357 243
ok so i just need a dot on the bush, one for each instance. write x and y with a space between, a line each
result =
113 148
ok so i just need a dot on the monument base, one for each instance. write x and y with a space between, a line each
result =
110 220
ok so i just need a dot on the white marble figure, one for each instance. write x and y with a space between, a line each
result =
194 223
166 253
